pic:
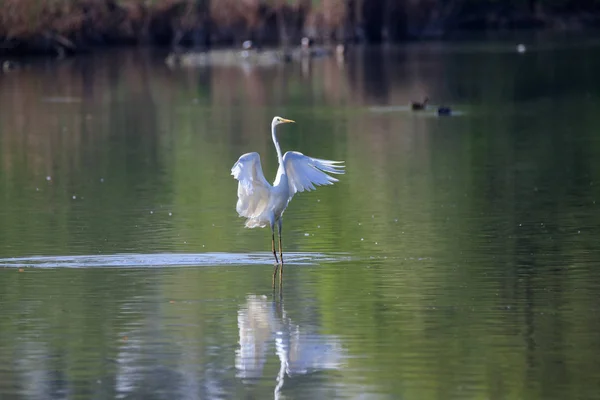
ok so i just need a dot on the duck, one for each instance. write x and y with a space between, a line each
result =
443 110
415 106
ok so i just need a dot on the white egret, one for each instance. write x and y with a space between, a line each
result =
263 204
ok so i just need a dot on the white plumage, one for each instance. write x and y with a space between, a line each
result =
263 204
304 172
253 190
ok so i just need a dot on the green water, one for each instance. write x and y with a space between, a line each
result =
456 259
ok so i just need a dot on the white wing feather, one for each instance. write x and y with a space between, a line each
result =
253 189
305 172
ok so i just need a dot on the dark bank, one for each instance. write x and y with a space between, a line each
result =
62 27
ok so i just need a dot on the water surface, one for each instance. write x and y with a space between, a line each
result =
456 259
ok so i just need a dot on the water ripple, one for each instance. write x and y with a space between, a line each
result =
166 260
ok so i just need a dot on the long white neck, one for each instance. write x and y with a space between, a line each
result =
276 143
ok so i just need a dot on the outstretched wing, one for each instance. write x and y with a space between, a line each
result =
253 188
305 172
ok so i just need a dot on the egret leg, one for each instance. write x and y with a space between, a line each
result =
275 254
280 254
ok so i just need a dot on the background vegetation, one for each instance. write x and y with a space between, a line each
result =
61 26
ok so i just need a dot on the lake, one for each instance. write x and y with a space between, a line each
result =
457 258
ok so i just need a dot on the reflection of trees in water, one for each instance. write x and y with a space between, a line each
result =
81 123
69 102
80 106
265 325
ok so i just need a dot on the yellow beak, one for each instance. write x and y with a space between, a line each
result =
287 121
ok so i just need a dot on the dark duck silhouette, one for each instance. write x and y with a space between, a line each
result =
415 106
443 110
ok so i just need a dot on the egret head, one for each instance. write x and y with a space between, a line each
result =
279 121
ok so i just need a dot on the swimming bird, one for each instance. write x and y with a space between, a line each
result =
443 110
263 204
415 105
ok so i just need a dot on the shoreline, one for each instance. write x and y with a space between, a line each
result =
82 26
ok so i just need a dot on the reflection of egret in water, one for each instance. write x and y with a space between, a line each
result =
261 323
